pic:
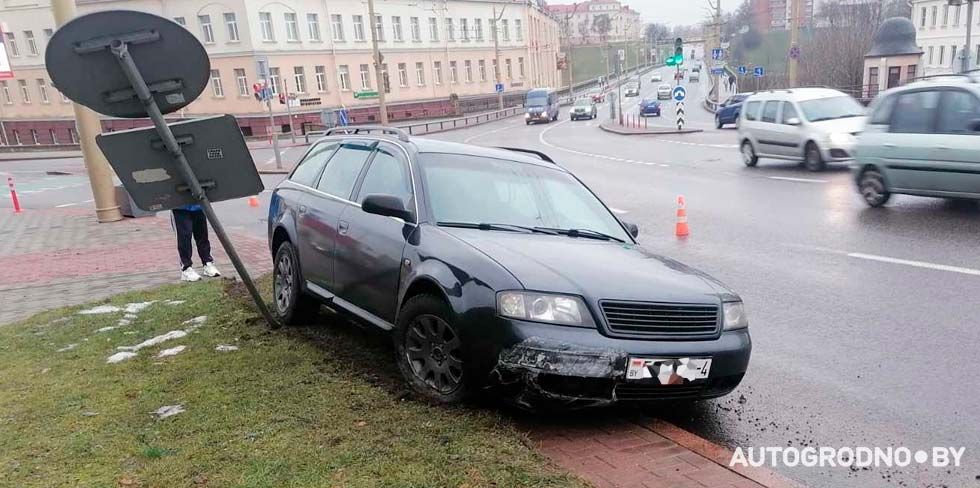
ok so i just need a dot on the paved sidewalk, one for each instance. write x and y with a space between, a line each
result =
58 257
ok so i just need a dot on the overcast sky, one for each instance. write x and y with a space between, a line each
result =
672 12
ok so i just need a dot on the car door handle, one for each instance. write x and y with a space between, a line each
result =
343 227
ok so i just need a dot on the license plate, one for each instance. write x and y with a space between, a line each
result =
668 371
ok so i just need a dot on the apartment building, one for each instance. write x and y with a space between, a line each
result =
581 22
941 33
318 51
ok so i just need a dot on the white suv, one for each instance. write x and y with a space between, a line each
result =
813 125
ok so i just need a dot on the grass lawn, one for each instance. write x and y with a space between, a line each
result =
317 406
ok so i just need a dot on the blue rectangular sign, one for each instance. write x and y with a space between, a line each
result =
500 87
717 71
758 71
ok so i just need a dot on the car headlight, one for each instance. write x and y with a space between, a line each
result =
735 317
841 139
542 307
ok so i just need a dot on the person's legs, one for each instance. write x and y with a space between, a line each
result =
201 237
184 227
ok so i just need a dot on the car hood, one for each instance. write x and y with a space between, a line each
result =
850 125
592 268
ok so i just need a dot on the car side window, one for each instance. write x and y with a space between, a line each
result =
752 110
309 168
769 111
789 112
915 112
959 108
342 170
883 111
387 175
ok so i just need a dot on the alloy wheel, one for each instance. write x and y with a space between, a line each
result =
873 189
432 348
283 283
748 154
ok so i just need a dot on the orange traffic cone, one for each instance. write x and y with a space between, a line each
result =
253 201
681 229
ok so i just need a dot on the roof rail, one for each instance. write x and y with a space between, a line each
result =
539 154
357 129
966 75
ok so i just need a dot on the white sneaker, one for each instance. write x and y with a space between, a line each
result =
211 270
189 275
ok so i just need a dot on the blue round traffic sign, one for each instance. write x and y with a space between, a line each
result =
678 93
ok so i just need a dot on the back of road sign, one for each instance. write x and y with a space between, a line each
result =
220 161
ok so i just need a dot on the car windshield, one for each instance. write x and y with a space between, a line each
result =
632 85
831 108
537 100
464 189
648 101
583 102
664 87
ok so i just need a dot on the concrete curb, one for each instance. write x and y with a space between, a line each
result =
719 455
645 132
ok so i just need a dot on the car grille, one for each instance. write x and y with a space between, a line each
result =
628 391
651 320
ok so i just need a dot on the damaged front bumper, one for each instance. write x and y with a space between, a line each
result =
574 368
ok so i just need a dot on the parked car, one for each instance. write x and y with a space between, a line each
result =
922 139
541 105
813 125
584 108
597 95
656 78
729 110
495 270
663 92
695 76
631 89
649 107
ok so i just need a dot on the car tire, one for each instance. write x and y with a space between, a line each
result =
293 306
429 350
873 189
812 158
748 154
718 124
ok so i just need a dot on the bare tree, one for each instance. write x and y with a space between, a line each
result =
834 53
601 25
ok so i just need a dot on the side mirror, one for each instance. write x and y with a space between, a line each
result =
632 228
386 206
974 125
793 121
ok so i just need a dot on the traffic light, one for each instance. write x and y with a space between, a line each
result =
670 61
679 48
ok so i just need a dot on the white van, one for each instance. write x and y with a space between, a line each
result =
813 125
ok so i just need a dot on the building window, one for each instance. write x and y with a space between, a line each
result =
450 30
420 73
265 26
433 29
42 89
952 55
396 29
12 44
935 15
402 74
216 87
48 33
274 80
464 30
207 32
359 28
922 19
180 20
452 73
292 27
313 25
413 24
478 30
468 71
365 77
343 75
482 68
241 81
231 24
873 81
520 67
942 55
437 72
299 78
510 69
496 70
54 136
320 74
518 30
931 50
505 30
385 80
945 15
5 88
910 73
956 16
31 43
25 94
379 28
337 26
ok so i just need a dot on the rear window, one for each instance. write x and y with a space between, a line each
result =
752 110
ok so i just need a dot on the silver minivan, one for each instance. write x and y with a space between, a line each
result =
813 125
922 139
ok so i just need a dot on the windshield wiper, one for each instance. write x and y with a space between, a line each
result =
586 233
501 227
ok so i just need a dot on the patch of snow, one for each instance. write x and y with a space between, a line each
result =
168 411
174 334
174 302
225 348
120 357
124 322
133 308
197 320
173 351
45 370
100 309
105 329
69 347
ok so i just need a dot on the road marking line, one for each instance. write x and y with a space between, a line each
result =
65 205
799 180
916 264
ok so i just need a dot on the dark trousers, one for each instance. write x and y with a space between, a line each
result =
189 223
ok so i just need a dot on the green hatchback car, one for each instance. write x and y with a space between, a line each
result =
922 139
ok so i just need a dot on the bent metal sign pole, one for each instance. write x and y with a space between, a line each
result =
93 60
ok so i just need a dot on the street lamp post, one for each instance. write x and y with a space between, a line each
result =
496 54
378 60
969 30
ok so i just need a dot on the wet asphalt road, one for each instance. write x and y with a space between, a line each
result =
851 347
